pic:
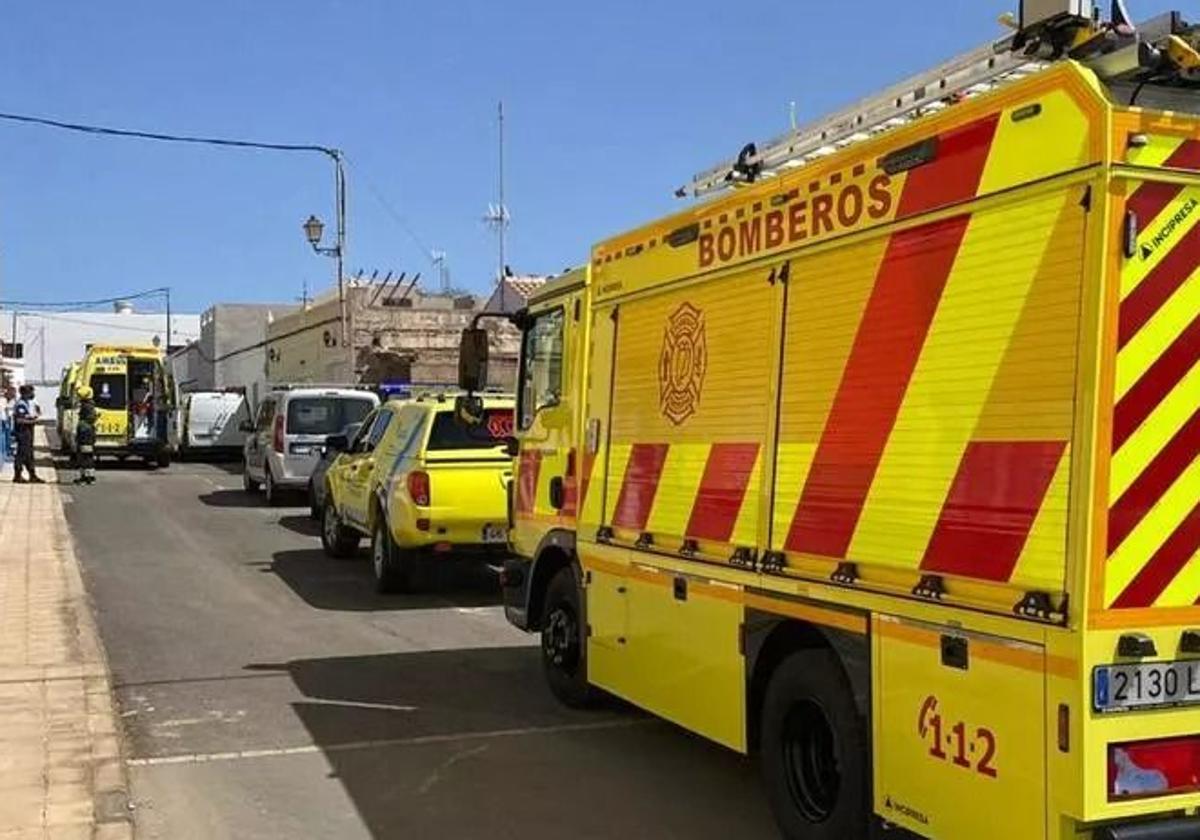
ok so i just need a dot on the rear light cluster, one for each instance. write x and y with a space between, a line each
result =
1154 768
418 488
277 434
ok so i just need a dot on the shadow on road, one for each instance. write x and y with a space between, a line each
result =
395 696
241 499
230 462
470 743
306 526
348 585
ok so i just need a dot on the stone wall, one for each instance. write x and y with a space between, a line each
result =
417 343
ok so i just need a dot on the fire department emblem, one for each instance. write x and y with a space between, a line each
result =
682 364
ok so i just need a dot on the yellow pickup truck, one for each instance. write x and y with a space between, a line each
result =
420 485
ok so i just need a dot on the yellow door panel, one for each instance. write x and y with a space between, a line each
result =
959 732
928 397
682 656
605 573
607 603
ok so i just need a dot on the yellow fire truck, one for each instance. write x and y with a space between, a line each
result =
884 465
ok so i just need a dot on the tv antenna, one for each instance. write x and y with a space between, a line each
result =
438 259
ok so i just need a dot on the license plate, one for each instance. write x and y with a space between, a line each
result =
301 449
494 534
1145 685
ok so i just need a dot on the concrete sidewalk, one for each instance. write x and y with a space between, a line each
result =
61 771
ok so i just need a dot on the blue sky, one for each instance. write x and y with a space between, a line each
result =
609 106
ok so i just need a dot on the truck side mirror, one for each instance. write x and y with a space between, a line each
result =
473 359
468 410
512 447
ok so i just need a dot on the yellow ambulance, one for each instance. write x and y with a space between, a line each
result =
135 401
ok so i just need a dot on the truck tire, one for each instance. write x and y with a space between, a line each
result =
814 750
393 567
248 483
564 653
163 459
337 540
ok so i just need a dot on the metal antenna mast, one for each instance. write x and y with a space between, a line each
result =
497 215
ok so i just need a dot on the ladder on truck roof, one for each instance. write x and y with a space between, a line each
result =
1110 54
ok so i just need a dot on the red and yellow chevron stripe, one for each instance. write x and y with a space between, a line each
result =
1153 533
926 398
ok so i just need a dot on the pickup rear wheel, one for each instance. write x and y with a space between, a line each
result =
563 652
393 567
337 540
814 750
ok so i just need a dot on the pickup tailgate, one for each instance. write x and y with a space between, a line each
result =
468 498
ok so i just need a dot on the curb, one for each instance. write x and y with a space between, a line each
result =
112 805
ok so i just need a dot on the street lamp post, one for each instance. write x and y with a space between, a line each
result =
314 229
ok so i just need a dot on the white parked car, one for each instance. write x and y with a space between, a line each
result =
213 422
285 441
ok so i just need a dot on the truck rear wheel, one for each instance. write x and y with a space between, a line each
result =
337 540
814 750
564 659
393 567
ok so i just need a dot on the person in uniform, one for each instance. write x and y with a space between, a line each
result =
85 436
26 414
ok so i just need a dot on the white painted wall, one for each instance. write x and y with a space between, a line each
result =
55 339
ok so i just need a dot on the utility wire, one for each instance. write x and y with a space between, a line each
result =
98 302
390 210
169 138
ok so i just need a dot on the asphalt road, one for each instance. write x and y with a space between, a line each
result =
268 692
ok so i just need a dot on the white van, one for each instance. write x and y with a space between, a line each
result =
212 421
284 442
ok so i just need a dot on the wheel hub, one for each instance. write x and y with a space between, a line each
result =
377 555
560 638
811 761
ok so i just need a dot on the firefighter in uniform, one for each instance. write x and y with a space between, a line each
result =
85 436
26 414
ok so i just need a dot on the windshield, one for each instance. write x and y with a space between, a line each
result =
108 390
448 433
325 415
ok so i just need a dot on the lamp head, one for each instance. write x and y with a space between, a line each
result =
314 228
